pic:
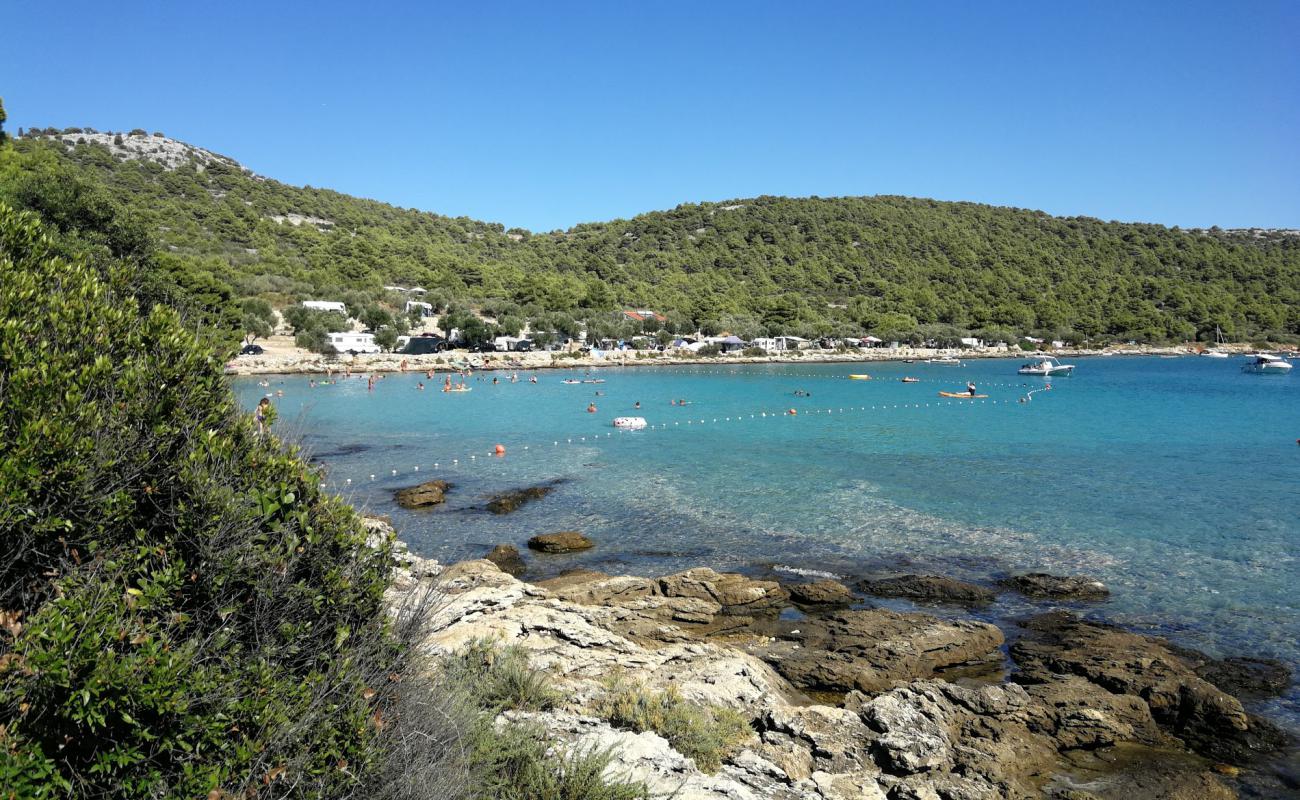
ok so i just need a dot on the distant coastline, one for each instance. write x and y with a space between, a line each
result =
295 361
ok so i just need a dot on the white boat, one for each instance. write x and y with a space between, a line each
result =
1219 341
947 361
1267 364
1045 365
630 423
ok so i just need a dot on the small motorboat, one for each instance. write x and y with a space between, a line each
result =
911 380
1267 364
571 381
594 380
947 361
1045 366
859 377
963 395
630 423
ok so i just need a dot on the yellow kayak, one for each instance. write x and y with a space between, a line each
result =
859 377
963 395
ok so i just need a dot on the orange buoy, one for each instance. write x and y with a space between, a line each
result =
792 412
499 450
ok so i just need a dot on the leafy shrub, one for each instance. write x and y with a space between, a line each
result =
191 613
709 350
705 734
753 352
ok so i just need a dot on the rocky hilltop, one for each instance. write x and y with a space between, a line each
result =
138 145
843 700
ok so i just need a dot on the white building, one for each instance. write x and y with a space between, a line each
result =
426 309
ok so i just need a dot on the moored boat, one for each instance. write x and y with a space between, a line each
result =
947 361
630 423
1045 366
1267 364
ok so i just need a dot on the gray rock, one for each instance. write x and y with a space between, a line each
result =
560 542
929 589
1057 587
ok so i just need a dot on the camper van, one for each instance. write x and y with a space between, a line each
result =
354 343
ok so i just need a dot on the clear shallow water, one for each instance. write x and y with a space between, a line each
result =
1176 481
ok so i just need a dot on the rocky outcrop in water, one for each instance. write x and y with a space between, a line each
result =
824 592
1209 720
429 493
734 594
507 559
928 589
560 542
1093 714
507 502
1057 587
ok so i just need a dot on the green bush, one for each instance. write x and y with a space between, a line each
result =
705 734
189 612
499 679
753 352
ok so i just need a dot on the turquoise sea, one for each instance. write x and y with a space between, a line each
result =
1176 481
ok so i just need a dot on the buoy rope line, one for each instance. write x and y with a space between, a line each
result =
817 376
489 454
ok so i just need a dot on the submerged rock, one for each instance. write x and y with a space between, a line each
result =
820 593
1244 677
507 559
1211 721
1057 587
735 594
429 493
560 542
870 650
506 502
929 589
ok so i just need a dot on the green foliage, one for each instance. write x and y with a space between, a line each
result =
386 338
192 614
705 734
753 352
810 267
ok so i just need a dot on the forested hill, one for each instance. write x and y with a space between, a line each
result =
886 265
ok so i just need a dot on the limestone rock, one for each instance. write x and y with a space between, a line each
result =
429 493
928 589
507 559
1057 587
1211 721
1080 714
820 593
933 738
736 594
560 542
872 649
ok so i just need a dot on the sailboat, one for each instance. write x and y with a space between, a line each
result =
1219 341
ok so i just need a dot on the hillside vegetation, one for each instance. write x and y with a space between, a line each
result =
883 265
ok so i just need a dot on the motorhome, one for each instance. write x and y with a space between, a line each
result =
353 342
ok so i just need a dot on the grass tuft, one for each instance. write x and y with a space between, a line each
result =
704 733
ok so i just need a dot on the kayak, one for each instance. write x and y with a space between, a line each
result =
859 377
464 389
963 395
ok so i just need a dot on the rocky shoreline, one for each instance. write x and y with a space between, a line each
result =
284 359
848 700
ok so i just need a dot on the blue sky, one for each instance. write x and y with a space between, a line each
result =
543 115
